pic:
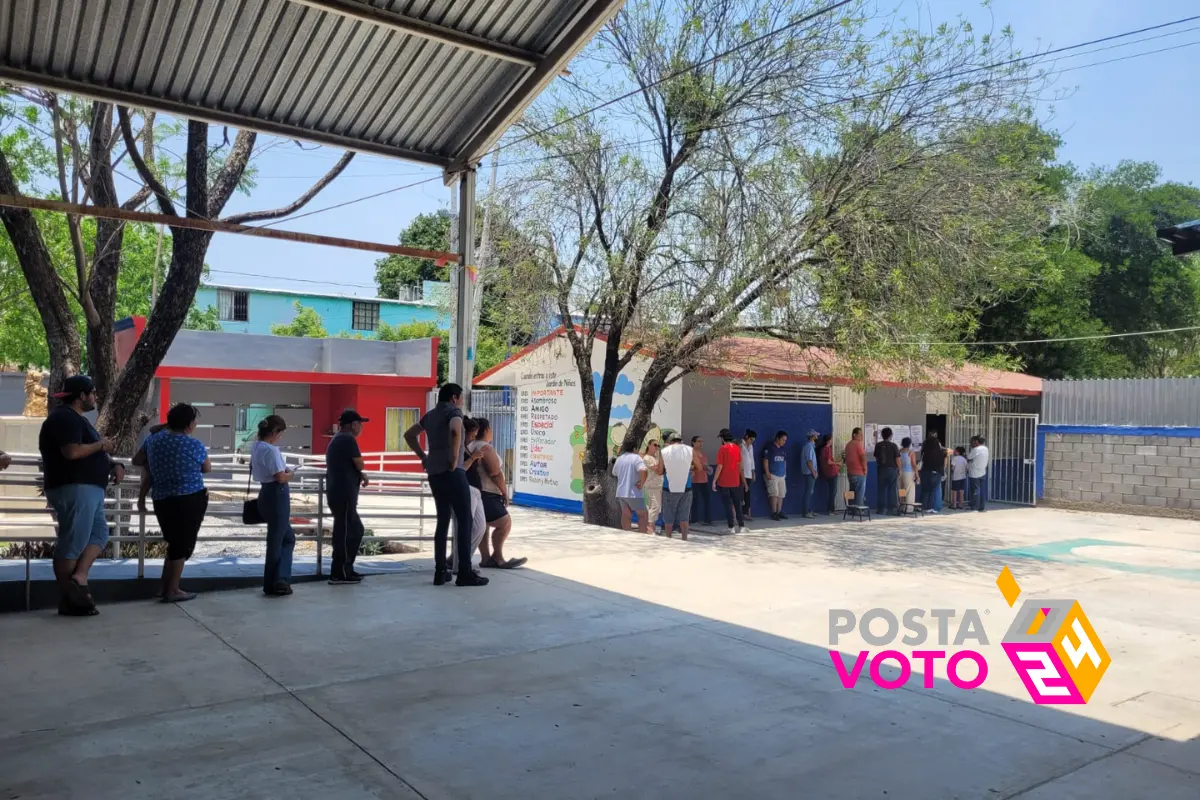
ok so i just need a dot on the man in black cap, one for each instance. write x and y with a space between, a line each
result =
76 470
344 474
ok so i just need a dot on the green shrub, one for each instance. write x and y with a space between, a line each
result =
370 546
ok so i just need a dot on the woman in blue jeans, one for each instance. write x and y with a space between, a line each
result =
933 468
274 504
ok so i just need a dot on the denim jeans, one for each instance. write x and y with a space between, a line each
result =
978 493
732 497
347 534
931 489
275 505
702 496
452 495
858 485
808 483
830 483
887 499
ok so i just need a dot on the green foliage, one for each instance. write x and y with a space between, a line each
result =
307 323
426 232
206 320
370 546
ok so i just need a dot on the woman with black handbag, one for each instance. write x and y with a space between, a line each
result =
274 505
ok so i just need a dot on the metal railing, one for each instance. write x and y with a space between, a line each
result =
394 507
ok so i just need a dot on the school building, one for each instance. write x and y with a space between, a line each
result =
236 379
766 385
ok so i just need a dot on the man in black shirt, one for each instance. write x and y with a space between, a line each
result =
887 466
76 469
344 474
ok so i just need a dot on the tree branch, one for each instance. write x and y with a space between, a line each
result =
301 201
164 199
231 172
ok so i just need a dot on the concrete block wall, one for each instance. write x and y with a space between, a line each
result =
1138 470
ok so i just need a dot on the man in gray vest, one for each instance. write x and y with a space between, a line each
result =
443 428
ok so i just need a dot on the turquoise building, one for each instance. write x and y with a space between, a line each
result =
243 309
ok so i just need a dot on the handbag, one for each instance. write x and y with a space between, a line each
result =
250 513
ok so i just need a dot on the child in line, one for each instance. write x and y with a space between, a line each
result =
958 478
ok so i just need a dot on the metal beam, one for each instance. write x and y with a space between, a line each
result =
462 364
512 105
412 26
216 117
216 226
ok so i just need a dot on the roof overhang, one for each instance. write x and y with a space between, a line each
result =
432 82
1183 238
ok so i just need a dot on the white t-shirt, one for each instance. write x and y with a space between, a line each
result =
265 462
958 468
979 458
626 469
747 460
677 462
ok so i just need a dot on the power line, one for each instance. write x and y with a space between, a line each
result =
350 202
291 279
1126 58
808 18
1067 338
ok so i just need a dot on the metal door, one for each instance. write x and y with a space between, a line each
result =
1012 473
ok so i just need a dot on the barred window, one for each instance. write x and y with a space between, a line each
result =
366 316
233 306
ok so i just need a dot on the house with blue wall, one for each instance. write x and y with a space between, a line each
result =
244 309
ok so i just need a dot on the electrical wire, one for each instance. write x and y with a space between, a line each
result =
1126 58
1062 339
349 202
291 279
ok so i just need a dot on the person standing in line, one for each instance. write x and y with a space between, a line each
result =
345 474
173 466
809 472
494 498
654 483
887 464
701 479
748 470
909 478
775 472
443 426
678 460
829 471
730 482
958 478
630 471
856 466
76 470
268 467
933 470
978 459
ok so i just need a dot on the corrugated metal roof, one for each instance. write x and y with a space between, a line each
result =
435 81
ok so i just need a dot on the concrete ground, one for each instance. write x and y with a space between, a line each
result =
624 665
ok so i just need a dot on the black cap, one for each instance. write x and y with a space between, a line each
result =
74 386
350 416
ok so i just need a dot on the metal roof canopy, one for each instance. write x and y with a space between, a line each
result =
431 81
1183 238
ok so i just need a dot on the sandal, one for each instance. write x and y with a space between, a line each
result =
489 563
513 563
183 598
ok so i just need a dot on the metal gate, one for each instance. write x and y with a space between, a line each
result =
1012 473
500 408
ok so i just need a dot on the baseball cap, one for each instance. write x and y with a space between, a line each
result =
811 433
75 386
350 416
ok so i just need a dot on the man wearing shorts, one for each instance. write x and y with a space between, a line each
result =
630 472
775 471
76 469
678 460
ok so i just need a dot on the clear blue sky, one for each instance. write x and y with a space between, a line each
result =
1140 109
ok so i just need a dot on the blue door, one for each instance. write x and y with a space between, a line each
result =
765 418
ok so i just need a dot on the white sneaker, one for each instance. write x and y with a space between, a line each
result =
732 531
741 529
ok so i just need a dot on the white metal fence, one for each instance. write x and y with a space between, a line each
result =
1168 402
395 507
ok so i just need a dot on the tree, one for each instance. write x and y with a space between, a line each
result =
427 232
306 323
90 141
207 319
491 349
823 184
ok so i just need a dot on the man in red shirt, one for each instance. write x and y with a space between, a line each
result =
729 480
856 466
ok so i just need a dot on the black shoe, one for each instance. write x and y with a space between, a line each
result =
441 577
782 515
280 589
775 517
353 577
471 578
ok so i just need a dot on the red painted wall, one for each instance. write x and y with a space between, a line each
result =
372 402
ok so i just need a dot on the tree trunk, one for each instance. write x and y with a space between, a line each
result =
106 256
120 418
62 337
599 488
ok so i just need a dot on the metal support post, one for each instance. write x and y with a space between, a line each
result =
320 519
142 546
463 364
117 527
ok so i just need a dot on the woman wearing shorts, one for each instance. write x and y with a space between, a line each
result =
173 465
494 494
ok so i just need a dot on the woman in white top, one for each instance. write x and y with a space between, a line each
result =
274 504
653 487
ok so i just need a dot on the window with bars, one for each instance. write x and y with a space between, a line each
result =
398 420
365 316
233 306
